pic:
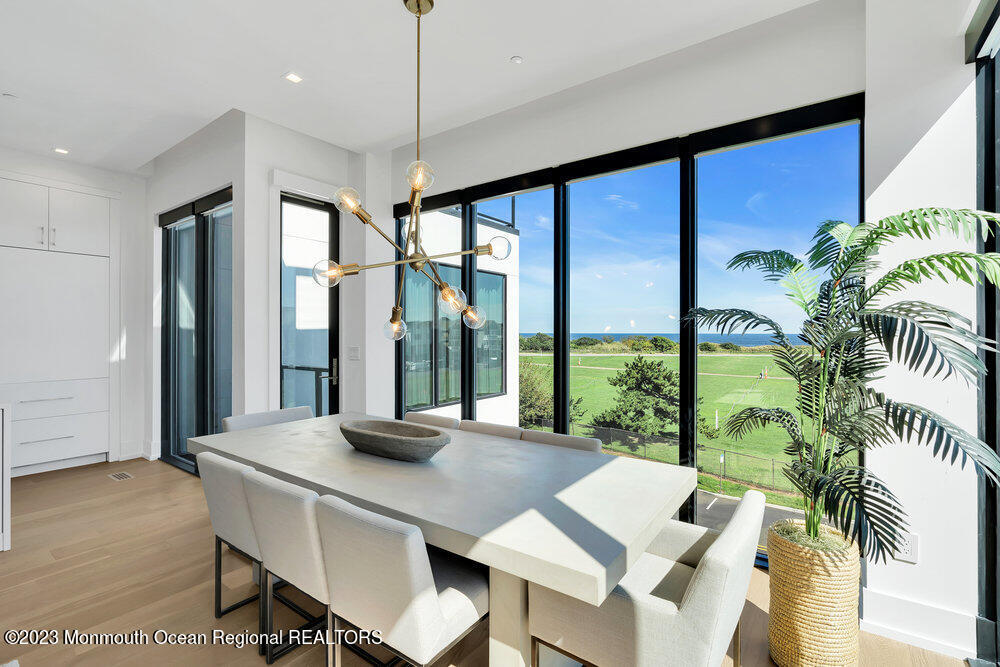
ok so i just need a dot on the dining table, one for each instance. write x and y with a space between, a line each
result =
569 520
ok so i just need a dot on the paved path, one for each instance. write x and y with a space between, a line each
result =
721 375
714 511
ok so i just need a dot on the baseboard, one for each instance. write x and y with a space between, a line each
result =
945 631
58 465
151 450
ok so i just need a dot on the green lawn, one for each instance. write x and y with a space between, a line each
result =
726 383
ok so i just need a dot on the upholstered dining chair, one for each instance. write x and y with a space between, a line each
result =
257 419
284 518
430 420
562 440
679 604
381 576
222 481
499 430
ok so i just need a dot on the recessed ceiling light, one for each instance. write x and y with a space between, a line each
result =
61 151
293 77
517 60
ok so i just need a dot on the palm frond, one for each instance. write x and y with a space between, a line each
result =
857 503
802 290
751 419
828 244
729 320
948 441
927 338
925 223
955 265
774 264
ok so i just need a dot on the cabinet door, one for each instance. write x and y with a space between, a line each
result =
79 223
24 214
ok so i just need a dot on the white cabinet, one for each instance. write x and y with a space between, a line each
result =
5 463
59 438
24 214
79 223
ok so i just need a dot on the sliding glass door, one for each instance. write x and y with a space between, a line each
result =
197 325
308 311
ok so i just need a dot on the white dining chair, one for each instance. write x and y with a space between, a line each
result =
430 420
284 518
499 430
562 440
222 481
257 419
679 604
381 576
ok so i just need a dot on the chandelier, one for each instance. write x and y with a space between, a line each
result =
420 176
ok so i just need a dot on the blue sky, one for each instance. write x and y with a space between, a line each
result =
624 260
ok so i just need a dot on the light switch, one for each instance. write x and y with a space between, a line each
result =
354 353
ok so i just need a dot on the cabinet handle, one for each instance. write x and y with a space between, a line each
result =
32 442
41 239
53 236
41 400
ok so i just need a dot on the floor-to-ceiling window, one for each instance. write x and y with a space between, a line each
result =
610 258
624 233
308 311
514 348
196 297
765 196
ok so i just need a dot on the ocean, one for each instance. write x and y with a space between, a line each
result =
744 340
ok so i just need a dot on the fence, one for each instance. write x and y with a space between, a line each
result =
720 465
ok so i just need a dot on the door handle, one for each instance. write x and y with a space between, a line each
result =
32 442
42 400
41 238
53 236
331 378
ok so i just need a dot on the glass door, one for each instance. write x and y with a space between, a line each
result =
196 329
309 326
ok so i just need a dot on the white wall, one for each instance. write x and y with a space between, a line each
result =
920 150
807 55
132 347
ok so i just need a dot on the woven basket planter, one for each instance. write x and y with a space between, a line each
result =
813 617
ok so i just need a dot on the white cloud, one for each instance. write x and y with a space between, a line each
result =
543 222
599 276
649 284
621 202
754 201
607 328
672 317
631 323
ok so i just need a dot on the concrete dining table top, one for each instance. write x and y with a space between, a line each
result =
569 520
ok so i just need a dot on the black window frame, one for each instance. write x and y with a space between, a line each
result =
503 336
333 395
200 210
812 117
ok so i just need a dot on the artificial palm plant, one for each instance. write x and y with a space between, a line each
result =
853 330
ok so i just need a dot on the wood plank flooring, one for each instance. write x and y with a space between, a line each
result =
97 555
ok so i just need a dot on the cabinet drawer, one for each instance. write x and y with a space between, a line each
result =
79 223
56 438
34 400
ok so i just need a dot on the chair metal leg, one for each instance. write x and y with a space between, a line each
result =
534 652
218 577
338 649
330 637
737 644
268 594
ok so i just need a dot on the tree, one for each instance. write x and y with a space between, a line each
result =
637 343
730 347
647 403
706 346
585 341
538 343
607 339
535 396
663 344
854 327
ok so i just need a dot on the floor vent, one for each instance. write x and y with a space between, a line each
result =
120 476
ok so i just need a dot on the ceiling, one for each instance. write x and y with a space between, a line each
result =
117 82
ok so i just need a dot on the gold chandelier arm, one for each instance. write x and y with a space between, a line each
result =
399 289
410 260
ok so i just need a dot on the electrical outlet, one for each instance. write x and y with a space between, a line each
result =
908 548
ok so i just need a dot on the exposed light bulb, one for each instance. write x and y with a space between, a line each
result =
420 175
327 273
451 299
499 247
474 317
347 200
394 330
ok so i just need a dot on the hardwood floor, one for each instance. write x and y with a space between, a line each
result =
102 556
